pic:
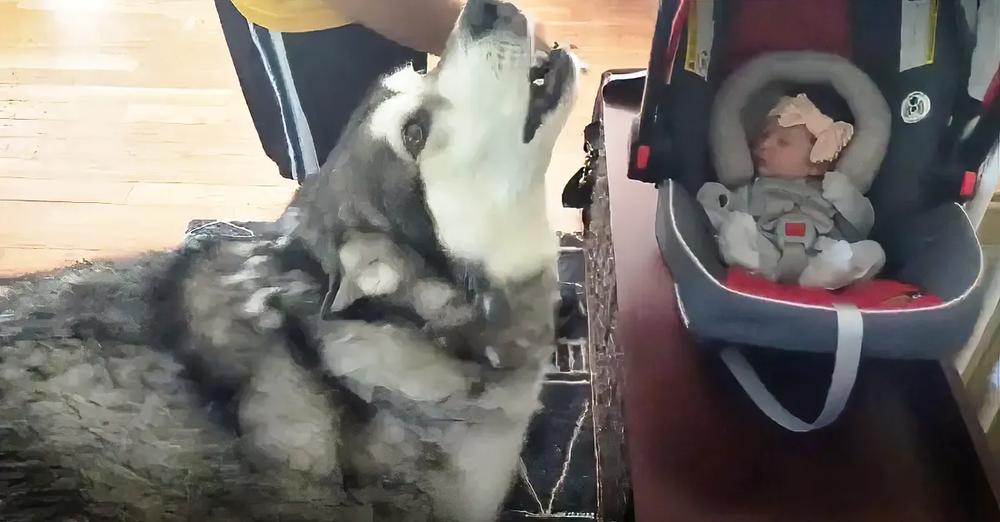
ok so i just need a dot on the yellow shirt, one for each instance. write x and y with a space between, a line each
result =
291 16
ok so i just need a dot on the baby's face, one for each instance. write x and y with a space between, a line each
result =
783 152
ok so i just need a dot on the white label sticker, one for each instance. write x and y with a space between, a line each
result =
701 33
917 33
986 55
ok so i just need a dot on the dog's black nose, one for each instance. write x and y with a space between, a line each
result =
482 17
485 16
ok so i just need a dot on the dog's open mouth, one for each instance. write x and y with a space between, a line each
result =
548 77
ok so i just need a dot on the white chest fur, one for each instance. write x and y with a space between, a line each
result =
510 234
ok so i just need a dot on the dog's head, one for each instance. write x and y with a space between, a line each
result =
491 109
474 137
456 157
477 131
497 102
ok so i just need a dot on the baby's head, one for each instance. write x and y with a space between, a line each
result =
798 140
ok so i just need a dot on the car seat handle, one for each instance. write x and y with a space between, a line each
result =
850 328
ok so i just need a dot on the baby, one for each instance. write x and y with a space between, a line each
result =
798 221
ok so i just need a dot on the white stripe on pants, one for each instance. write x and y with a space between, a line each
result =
292 116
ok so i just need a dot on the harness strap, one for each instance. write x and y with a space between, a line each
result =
850 328
792 262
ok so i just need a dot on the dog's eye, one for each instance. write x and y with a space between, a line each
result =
414 135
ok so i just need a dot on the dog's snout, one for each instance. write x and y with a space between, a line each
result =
487 19
486 16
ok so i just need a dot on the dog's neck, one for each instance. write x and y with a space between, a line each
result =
500 224
506 231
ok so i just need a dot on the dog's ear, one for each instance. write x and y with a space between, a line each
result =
346 294
340 294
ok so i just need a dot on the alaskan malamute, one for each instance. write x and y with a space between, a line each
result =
378 357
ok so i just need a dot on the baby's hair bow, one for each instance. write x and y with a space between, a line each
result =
831 136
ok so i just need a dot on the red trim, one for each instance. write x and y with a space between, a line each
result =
969 184
680 17
876 294
993 91
642 157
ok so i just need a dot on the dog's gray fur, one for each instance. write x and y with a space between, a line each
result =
218 382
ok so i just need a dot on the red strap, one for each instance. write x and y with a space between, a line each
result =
993 91
680 18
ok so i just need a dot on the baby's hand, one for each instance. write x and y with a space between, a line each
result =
838 187
738 241
717 201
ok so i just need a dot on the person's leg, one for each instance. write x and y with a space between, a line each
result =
330 73
256 85
301 88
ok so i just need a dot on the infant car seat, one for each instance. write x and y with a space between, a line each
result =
917 56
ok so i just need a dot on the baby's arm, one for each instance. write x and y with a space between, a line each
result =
719 202
849 201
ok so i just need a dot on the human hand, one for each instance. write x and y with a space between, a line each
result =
717 201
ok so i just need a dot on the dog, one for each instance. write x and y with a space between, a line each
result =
377 354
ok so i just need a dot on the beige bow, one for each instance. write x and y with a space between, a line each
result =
831 136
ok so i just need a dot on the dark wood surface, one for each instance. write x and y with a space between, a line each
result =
905 449
607 376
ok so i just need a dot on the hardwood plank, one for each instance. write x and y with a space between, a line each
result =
109 142
196 170
17 260
144 193
66 225
47 190
210 195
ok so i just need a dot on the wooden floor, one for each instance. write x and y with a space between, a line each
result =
121 120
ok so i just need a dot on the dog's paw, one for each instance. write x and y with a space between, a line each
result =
374 263
441 305
259 307
366 356
287 420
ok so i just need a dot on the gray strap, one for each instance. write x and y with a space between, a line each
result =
850 328
850 233
793 261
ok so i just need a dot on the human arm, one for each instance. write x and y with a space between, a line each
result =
423 25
